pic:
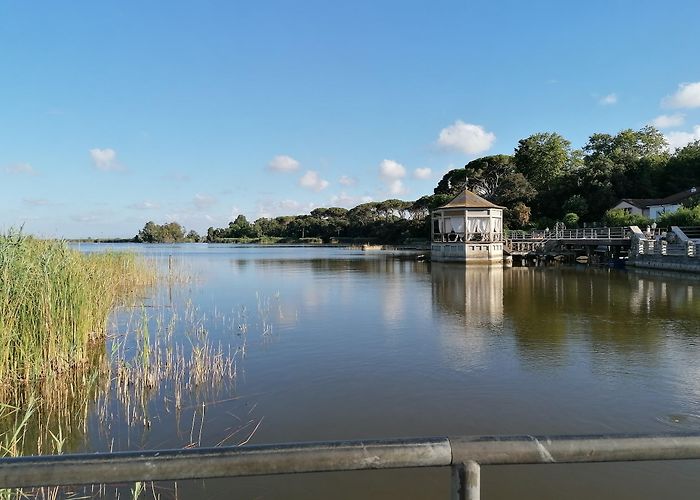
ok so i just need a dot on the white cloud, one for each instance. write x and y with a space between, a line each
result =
396 188
311 180
283 163
390 169
687 96
608 100
347 181
20 169
392 172
348 201
677 139
666 121
466 137
105 159
203 201
422 173
144 205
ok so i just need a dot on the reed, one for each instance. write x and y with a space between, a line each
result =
54 306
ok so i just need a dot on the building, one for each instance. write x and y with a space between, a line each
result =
654 207
468 229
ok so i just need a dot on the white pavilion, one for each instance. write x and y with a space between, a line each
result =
468 229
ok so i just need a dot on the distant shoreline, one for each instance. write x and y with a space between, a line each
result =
278 242
384 247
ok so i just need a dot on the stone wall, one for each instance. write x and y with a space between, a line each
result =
666 262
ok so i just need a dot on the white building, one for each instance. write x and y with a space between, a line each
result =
467 229
654 207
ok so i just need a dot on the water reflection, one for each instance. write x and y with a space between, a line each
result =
556 313
470 307
474 293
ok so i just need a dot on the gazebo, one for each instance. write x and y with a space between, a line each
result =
468 229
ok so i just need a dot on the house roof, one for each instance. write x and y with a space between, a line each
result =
669 200
467 199
641 202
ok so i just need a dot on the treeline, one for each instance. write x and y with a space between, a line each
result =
171 232
544 181
389 221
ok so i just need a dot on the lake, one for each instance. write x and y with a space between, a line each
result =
323 343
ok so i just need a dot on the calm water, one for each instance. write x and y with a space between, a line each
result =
341 344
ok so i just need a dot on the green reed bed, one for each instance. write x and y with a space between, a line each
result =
54 305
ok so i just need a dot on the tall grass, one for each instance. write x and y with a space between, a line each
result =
54 305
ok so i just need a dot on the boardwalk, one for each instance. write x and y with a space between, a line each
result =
540 242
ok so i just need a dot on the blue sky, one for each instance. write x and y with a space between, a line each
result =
116 113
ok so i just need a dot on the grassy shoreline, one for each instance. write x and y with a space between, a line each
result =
54 305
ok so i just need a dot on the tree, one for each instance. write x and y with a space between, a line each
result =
576 204
626 165
628 162
240 228
514 188
363 214
683 168
171 232
149 233
518 216
544 157
484 175
393 208
329 212
452 183
268 227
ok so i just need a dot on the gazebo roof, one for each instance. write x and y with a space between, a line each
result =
467 199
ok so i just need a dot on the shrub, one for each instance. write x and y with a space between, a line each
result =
618 217
571 219
681 217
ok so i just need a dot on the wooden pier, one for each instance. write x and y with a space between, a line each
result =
597 242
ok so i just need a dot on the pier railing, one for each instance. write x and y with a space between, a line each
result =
589 233
679 242
464 455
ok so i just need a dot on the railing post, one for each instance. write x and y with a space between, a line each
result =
466 481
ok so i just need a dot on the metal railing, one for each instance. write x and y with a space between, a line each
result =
602 233
464 455
651 247
526 246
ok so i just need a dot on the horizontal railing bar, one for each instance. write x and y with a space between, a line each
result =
203 463
495 450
